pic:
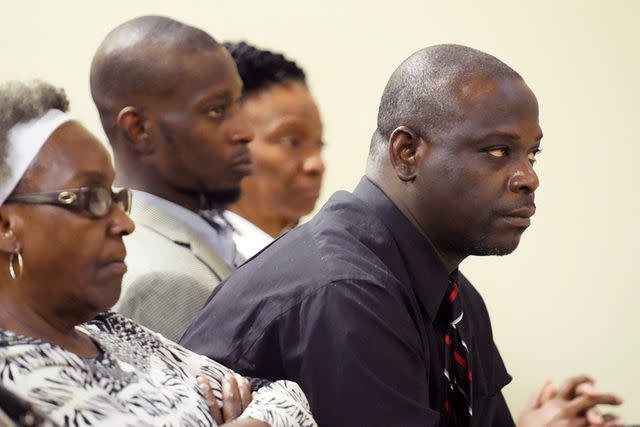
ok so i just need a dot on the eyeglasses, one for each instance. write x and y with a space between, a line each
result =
96 201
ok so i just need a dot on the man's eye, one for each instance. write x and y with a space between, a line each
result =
216 112
499 152
289 141
534 154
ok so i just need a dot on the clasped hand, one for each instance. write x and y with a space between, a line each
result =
236 396
574 405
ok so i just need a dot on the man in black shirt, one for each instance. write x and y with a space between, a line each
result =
364 306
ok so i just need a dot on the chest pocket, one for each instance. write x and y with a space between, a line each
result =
490 376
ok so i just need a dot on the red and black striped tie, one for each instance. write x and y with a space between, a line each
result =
457 362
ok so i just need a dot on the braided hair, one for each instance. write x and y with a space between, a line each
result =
260 68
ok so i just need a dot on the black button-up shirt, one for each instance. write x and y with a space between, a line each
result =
347 306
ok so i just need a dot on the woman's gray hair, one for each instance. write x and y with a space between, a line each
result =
22 102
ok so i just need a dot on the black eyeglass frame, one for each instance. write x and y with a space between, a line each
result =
79 198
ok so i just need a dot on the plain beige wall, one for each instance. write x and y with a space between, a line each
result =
565 302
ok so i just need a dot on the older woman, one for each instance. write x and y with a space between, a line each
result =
286 149
61 229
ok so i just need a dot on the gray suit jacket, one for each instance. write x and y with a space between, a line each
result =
171 272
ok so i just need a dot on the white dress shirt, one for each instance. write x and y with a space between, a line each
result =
248 238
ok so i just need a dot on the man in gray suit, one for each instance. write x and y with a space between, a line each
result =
167 96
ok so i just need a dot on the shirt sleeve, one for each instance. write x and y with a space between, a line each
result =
279 404
355 351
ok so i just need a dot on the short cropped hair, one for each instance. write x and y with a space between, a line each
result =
422 93
140 58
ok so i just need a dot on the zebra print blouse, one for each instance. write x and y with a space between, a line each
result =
140 379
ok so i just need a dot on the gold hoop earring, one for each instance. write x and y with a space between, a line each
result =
12 271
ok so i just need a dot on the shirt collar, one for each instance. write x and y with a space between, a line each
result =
428 275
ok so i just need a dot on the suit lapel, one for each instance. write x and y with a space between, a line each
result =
208 255
174 229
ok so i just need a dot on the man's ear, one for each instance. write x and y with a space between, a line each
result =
404 152
131 123
8 239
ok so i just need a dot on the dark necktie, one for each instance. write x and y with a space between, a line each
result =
225 246
457 362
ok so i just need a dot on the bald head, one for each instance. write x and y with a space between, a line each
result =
142 58
424 91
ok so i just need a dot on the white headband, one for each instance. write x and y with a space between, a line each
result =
24 143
